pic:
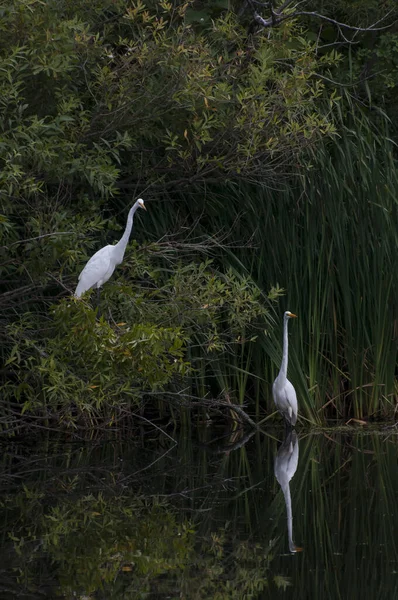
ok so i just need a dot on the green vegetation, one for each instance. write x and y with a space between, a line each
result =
335 254
82 367
263 176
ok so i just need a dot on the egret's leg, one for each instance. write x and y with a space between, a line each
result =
288 426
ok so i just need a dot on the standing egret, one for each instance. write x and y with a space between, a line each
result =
282 390
102 264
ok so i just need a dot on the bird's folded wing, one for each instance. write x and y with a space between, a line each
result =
95 269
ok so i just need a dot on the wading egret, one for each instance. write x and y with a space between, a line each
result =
282 390
102 264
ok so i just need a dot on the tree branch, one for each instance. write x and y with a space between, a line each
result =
284 12
343 25
39 237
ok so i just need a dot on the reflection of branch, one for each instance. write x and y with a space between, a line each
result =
279 16
243 439
238 409
156 427
191 401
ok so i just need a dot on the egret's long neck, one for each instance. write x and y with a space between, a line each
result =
120 247
283 369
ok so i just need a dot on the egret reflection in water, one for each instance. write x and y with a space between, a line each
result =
285 466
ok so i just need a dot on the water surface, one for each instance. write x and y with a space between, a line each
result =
159 516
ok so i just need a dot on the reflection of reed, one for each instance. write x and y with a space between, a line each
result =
285 465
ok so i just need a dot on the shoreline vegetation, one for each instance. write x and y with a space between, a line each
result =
268 165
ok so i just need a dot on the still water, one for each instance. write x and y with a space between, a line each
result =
216 517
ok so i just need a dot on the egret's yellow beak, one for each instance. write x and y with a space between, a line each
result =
143 206
292 315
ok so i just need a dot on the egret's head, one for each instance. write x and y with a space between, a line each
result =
141 203
290 315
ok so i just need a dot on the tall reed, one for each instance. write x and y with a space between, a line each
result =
334 249
329 237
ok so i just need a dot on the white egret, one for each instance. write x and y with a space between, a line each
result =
282 390
285 466
102 264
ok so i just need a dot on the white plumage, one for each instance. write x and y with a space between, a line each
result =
102 264
282 390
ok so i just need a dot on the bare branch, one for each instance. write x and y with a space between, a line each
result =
39 237
287 12
343 25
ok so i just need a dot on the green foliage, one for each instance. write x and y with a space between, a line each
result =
144 96
99 97
329 238
151 352
72 365
100 100
334 252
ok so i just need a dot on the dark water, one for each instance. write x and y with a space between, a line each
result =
150 518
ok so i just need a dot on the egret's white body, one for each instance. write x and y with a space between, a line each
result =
285 466
102 264
282 390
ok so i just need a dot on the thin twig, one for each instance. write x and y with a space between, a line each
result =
39 237
278 16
